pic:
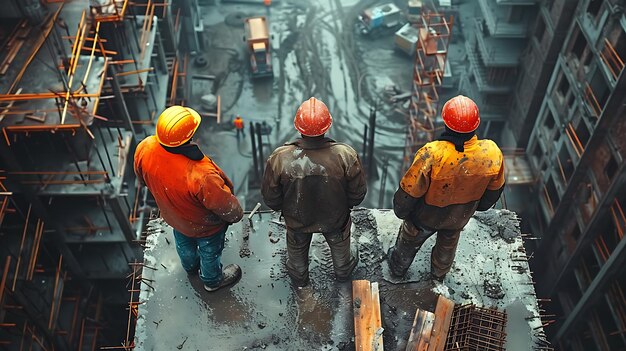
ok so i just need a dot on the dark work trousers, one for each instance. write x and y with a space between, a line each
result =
410 240
298 253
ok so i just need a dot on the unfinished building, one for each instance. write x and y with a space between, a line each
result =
494 45
576 149
78 84
82 82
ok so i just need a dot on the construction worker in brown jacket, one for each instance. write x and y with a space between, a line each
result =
193 194
315 181
449 179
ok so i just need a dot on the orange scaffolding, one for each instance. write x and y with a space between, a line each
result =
109 10
48 111
435 30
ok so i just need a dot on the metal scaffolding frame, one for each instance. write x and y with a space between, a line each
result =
67 190
435 30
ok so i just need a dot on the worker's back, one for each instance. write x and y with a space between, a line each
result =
314 182
195 197
452 183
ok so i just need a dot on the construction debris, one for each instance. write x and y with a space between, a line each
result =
321 316
477 328
368 331
430 330
421 331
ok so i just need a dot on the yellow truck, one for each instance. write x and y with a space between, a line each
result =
258 41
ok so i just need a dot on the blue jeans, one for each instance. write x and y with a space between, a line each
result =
204 253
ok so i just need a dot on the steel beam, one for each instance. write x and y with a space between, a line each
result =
122 218
57 238
121 103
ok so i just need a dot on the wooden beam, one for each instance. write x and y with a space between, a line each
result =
420 338
368 331
443 317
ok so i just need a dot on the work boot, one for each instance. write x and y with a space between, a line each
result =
436 278
410 239
345 275
401 256
231 275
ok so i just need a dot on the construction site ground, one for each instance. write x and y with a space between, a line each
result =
316 51
263 311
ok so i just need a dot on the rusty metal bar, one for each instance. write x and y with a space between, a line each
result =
41 96
54 304
573 138
19 255
590 97
5 273
45 32
477 328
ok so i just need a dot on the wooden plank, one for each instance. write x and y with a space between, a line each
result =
420 337
368 329
443 317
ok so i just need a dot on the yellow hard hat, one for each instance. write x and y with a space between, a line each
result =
176 125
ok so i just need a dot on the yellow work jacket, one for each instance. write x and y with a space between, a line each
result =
449 183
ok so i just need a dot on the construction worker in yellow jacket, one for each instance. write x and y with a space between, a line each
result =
449 179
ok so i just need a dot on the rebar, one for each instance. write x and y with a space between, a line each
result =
477 328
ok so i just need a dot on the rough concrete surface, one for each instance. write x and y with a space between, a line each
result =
263 311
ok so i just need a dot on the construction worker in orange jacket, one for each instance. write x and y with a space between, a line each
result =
449 179
315 181
239 127
194 196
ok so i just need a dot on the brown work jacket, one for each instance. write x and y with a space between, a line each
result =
314 182
443 187
194 197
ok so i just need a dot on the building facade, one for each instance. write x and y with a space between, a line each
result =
576 150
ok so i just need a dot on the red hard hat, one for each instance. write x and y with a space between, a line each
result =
312 118
461 114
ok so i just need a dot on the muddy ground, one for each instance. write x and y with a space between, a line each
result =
316 52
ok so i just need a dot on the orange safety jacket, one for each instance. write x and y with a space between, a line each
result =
238 123
194 197
443 187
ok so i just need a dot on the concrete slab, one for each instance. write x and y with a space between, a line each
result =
263 311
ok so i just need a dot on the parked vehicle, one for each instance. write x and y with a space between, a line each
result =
387 16
258 40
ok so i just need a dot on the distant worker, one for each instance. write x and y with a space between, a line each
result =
449 179
267 3
239 127
194 196
315 181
